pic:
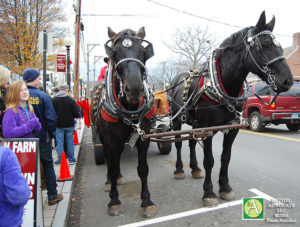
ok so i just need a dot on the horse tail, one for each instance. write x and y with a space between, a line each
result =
96 96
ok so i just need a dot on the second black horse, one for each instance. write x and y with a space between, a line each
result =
216 96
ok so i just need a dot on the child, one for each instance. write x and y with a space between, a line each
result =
19 120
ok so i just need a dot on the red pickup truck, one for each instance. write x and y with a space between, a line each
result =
285 109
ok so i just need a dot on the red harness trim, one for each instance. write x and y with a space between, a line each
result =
112 119
201 83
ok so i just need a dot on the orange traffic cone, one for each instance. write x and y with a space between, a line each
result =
64 169
75 138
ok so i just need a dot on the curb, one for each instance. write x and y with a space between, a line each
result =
63 207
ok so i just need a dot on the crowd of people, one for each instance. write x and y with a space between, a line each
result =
28 112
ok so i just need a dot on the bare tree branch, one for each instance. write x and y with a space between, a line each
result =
191 47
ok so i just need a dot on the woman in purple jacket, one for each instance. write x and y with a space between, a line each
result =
19 120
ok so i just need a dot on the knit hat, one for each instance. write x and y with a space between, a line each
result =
30 74
63 87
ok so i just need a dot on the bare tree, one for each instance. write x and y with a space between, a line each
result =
163 73
191 47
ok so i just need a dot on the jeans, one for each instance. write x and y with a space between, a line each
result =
61 134
47 162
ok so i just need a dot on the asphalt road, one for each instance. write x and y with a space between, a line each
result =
265 163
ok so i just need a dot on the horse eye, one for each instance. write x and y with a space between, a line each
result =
267 45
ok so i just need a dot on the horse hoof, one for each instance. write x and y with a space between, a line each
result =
179 176
115 210
228 196
197 174
121 181
107 187
148 212
210 202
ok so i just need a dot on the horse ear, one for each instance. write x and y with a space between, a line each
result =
261 22
141 33
111 33
271 24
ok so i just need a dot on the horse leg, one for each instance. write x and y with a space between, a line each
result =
209 197
148 208
114 206
120 181
179 172
196 171
225 191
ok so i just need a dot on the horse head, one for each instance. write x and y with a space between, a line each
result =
264 55
129 55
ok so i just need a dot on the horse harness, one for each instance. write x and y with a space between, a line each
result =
210 85
109 106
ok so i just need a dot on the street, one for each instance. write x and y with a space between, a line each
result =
265 163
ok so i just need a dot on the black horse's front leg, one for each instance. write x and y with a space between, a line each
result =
209 197
112 155
225 191
196 171
148 208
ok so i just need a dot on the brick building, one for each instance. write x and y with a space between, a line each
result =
293 56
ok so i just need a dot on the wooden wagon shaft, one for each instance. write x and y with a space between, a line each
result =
190 131
171 139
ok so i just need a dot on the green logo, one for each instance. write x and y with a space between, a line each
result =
253 208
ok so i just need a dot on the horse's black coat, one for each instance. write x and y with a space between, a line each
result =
234 66
114 135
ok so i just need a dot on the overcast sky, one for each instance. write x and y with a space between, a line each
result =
161 21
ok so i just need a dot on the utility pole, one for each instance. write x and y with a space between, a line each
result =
96 59
88 62
164 74
45 43
77 42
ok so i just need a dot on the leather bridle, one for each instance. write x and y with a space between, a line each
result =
253 43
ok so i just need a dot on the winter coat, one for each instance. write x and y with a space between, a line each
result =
14 189
45 112
20 124
66 110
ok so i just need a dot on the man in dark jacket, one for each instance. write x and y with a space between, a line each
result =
66 110
44 110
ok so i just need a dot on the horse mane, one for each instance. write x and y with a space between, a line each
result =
235 37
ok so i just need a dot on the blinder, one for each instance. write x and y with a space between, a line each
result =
109 51
149 52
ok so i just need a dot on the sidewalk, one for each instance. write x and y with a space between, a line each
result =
57 215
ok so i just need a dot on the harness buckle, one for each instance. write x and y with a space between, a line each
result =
126 121
231 108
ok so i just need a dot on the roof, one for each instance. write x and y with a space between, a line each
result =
288 51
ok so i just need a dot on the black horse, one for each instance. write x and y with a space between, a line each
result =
120 109
219 101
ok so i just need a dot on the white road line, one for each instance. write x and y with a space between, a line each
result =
261 194
198 211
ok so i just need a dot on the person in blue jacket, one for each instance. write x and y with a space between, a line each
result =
14 189
45 112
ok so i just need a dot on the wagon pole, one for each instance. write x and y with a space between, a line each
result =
191 131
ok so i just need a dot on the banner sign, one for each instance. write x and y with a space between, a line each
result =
27 153
61 62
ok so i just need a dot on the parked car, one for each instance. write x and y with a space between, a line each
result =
285 109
